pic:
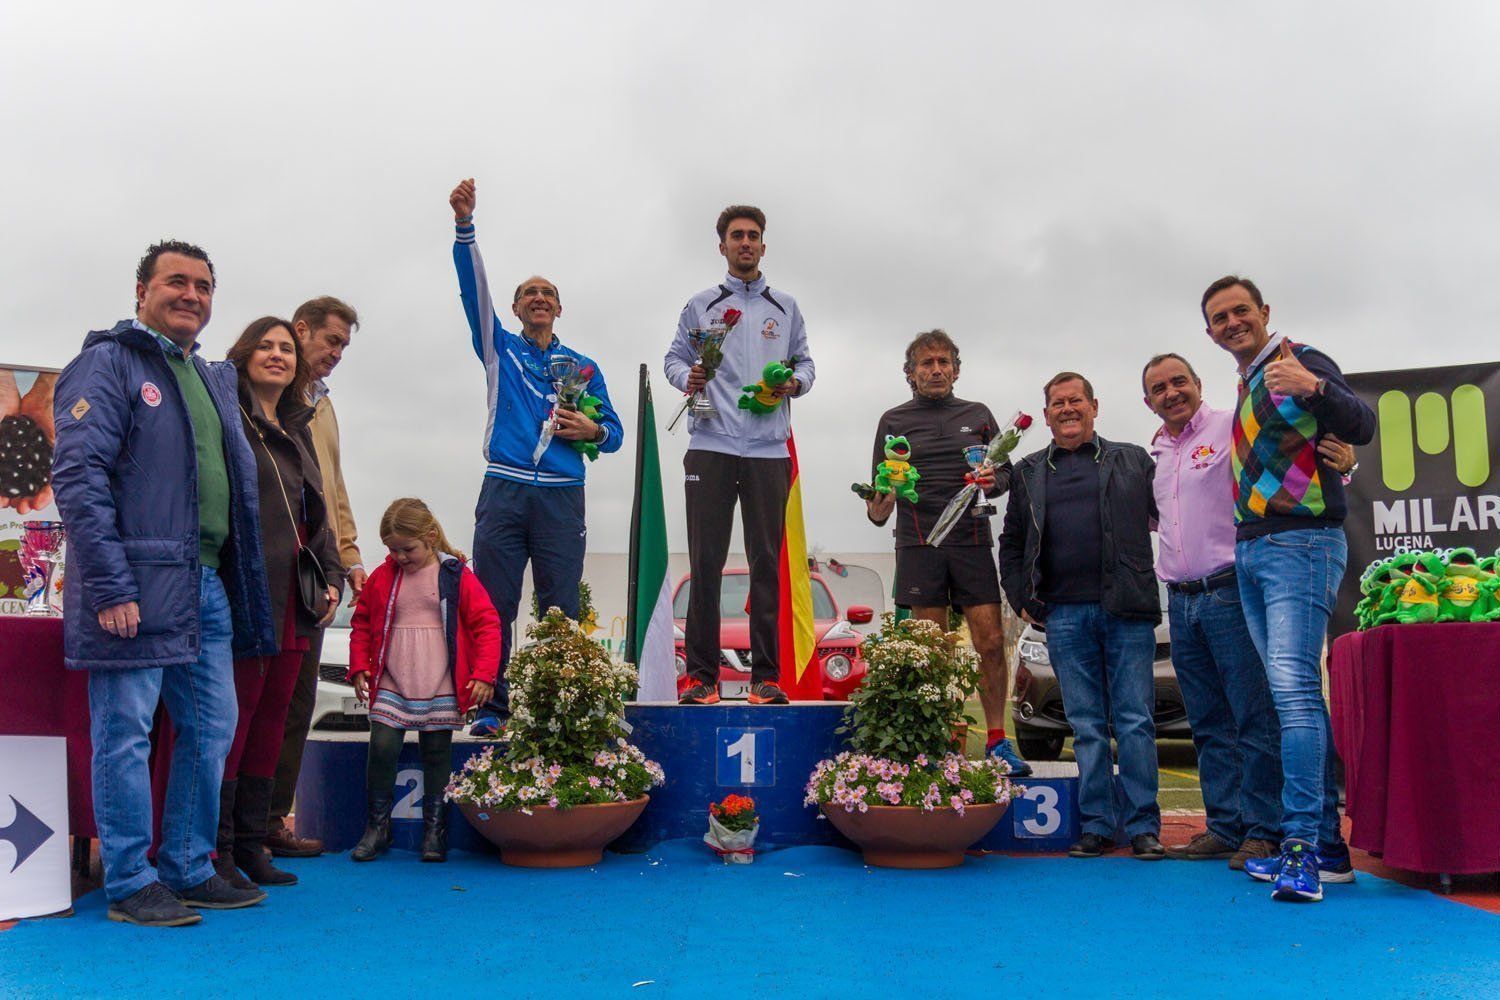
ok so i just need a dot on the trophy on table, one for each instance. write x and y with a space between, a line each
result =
568 384
709 343
41 554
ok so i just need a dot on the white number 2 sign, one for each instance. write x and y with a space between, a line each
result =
409 806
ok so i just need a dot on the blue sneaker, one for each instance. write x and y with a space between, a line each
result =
1006 751
1298 881
486 727
1333 865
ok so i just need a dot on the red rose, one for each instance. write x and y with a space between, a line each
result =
731 317
1023 422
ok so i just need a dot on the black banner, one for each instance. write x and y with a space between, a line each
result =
1429 479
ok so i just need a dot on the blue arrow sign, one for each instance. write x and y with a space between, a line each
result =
26 833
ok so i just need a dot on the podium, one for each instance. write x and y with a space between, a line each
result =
766 752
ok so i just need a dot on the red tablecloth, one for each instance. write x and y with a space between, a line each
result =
1416 718
38 697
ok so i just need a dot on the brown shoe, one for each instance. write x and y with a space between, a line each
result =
286 844
1204 847
1253 848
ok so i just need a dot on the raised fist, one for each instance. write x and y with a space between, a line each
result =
462 199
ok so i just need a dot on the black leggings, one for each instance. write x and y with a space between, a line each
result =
385 747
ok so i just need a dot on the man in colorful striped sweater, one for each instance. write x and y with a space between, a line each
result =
1290 554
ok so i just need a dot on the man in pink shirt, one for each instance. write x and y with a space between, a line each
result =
1223 680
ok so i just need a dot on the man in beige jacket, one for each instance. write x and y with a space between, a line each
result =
323 327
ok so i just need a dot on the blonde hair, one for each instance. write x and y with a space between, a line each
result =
411 518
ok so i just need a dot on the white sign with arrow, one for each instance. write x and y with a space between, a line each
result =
34 877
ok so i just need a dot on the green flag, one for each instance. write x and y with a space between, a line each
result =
648 635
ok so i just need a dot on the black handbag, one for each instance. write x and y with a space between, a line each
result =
312 581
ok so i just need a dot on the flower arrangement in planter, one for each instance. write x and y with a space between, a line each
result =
567 783
732 826
900 791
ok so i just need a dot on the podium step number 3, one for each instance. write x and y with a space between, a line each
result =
746 757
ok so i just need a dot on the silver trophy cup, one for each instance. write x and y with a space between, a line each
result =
41 554
975 455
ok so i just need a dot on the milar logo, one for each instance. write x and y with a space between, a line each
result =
1434 425
1471 451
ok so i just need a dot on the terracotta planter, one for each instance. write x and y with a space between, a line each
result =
909 837
554 838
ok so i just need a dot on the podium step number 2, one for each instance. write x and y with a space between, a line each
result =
746 757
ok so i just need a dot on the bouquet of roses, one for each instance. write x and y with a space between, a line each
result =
710 344
732 826
1000 447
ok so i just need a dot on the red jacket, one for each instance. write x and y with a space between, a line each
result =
470 622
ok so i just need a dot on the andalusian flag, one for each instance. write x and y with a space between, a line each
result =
648 630
798 653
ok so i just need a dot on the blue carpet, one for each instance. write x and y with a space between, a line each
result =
803 922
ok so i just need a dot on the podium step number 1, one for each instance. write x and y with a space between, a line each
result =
746 757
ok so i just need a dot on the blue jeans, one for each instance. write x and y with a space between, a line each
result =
1229 706
1103 664
516 523
1289 582
122 706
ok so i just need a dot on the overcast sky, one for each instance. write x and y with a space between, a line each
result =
1054 185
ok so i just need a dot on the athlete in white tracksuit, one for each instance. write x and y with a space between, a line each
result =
738 455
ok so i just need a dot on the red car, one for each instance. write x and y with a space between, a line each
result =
838 643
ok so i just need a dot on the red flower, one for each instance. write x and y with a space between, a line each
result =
731 317
733 805
1023 422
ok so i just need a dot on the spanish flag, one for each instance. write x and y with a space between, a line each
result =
801 677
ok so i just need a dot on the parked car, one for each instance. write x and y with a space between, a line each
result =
837 646
1036 710
335 707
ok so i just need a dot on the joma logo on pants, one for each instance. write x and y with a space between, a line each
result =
1434 433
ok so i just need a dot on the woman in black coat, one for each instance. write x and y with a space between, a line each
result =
273 381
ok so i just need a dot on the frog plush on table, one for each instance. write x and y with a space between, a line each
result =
589 407
761 397
1462 600
1372 584
1428 578
1489 589
896 474
1388 580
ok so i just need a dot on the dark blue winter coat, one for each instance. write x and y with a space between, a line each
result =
125 473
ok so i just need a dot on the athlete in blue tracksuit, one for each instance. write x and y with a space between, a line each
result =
527 510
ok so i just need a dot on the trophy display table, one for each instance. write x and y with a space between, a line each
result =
39 697
1416 712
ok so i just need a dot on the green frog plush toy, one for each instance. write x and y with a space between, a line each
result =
1462 600
1373 583
1489 588
1387 601
589 407
759 398
896 474
1425 585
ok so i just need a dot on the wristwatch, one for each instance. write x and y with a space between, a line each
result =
1318 389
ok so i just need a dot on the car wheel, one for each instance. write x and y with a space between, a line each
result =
1040 747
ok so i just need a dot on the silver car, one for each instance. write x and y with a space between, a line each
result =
335 707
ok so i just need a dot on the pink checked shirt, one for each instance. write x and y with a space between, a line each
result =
1194 497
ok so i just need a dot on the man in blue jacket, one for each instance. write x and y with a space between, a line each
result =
530 508
165 581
